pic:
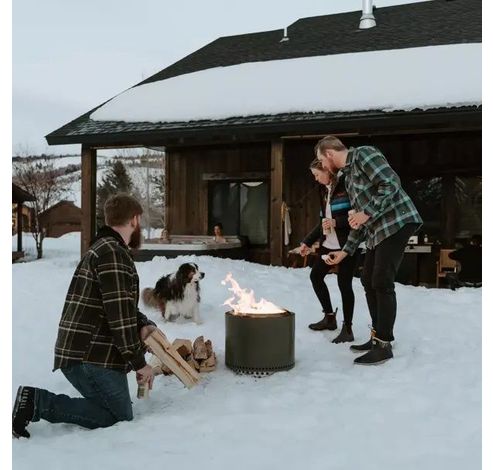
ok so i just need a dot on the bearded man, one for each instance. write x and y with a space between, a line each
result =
384 217
101 332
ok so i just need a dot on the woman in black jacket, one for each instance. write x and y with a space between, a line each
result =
332 231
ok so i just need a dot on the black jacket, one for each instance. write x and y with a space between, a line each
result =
340 205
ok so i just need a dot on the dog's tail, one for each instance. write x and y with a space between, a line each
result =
149 298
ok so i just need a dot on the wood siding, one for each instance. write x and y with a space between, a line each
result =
188 191
411 156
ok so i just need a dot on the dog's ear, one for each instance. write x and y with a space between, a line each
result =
182 274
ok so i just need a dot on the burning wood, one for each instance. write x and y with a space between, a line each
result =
243 301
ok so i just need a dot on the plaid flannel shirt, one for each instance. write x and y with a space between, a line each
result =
100 321
375 188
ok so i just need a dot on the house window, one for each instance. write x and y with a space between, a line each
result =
426 193
242 207
469 195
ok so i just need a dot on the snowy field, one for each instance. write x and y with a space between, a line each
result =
421 410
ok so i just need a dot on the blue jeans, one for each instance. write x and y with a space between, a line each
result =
106 398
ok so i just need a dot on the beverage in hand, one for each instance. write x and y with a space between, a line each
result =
328 230
143 390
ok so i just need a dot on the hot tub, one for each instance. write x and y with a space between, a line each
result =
179 245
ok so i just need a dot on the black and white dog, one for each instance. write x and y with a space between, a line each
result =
177 294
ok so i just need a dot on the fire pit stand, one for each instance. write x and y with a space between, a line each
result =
260 343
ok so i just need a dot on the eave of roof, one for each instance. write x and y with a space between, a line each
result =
123 133
20 195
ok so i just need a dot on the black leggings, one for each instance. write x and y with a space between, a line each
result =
344 280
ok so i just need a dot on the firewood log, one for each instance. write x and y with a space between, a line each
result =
164 350
183 347
210 361
208 346
156 365
193 363
199 348
209 364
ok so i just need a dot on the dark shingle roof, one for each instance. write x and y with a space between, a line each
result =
20 195
432 23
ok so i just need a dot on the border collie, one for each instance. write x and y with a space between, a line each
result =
177 294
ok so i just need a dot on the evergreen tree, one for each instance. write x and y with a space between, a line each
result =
158 188
115 180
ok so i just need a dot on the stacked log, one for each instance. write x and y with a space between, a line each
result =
170 359
200 356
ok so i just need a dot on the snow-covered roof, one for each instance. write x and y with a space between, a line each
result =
403 79
423 55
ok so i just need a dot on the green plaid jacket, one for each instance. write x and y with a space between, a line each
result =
100 321
375 188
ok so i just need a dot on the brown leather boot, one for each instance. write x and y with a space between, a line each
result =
345 336
328 322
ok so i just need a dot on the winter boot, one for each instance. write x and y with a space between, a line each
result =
327 323
345 336
381 351
357 348
23 411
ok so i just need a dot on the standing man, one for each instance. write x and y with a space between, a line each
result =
384 217
101 332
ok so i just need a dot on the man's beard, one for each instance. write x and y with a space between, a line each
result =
135 238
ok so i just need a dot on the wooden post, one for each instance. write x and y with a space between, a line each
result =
449 211
19 226
88 200
276 194
166 191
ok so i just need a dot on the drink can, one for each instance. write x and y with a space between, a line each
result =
326 231
143 390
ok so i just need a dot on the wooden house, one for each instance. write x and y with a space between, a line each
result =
61 218
19 197
239 118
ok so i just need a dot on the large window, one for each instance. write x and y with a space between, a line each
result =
426 193
469 193
242 208
450 206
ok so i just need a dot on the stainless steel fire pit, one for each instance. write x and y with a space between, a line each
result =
259 343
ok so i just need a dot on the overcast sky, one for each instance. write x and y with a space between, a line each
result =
71 55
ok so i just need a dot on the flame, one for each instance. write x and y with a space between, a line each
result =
243 300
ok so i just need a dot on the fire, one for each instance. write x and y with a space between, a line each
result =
243 300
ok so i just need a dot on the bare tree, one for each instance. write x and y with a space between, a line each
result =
149 188
41 179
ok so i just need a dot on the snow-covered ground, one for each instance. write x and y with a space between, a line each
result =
421 410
